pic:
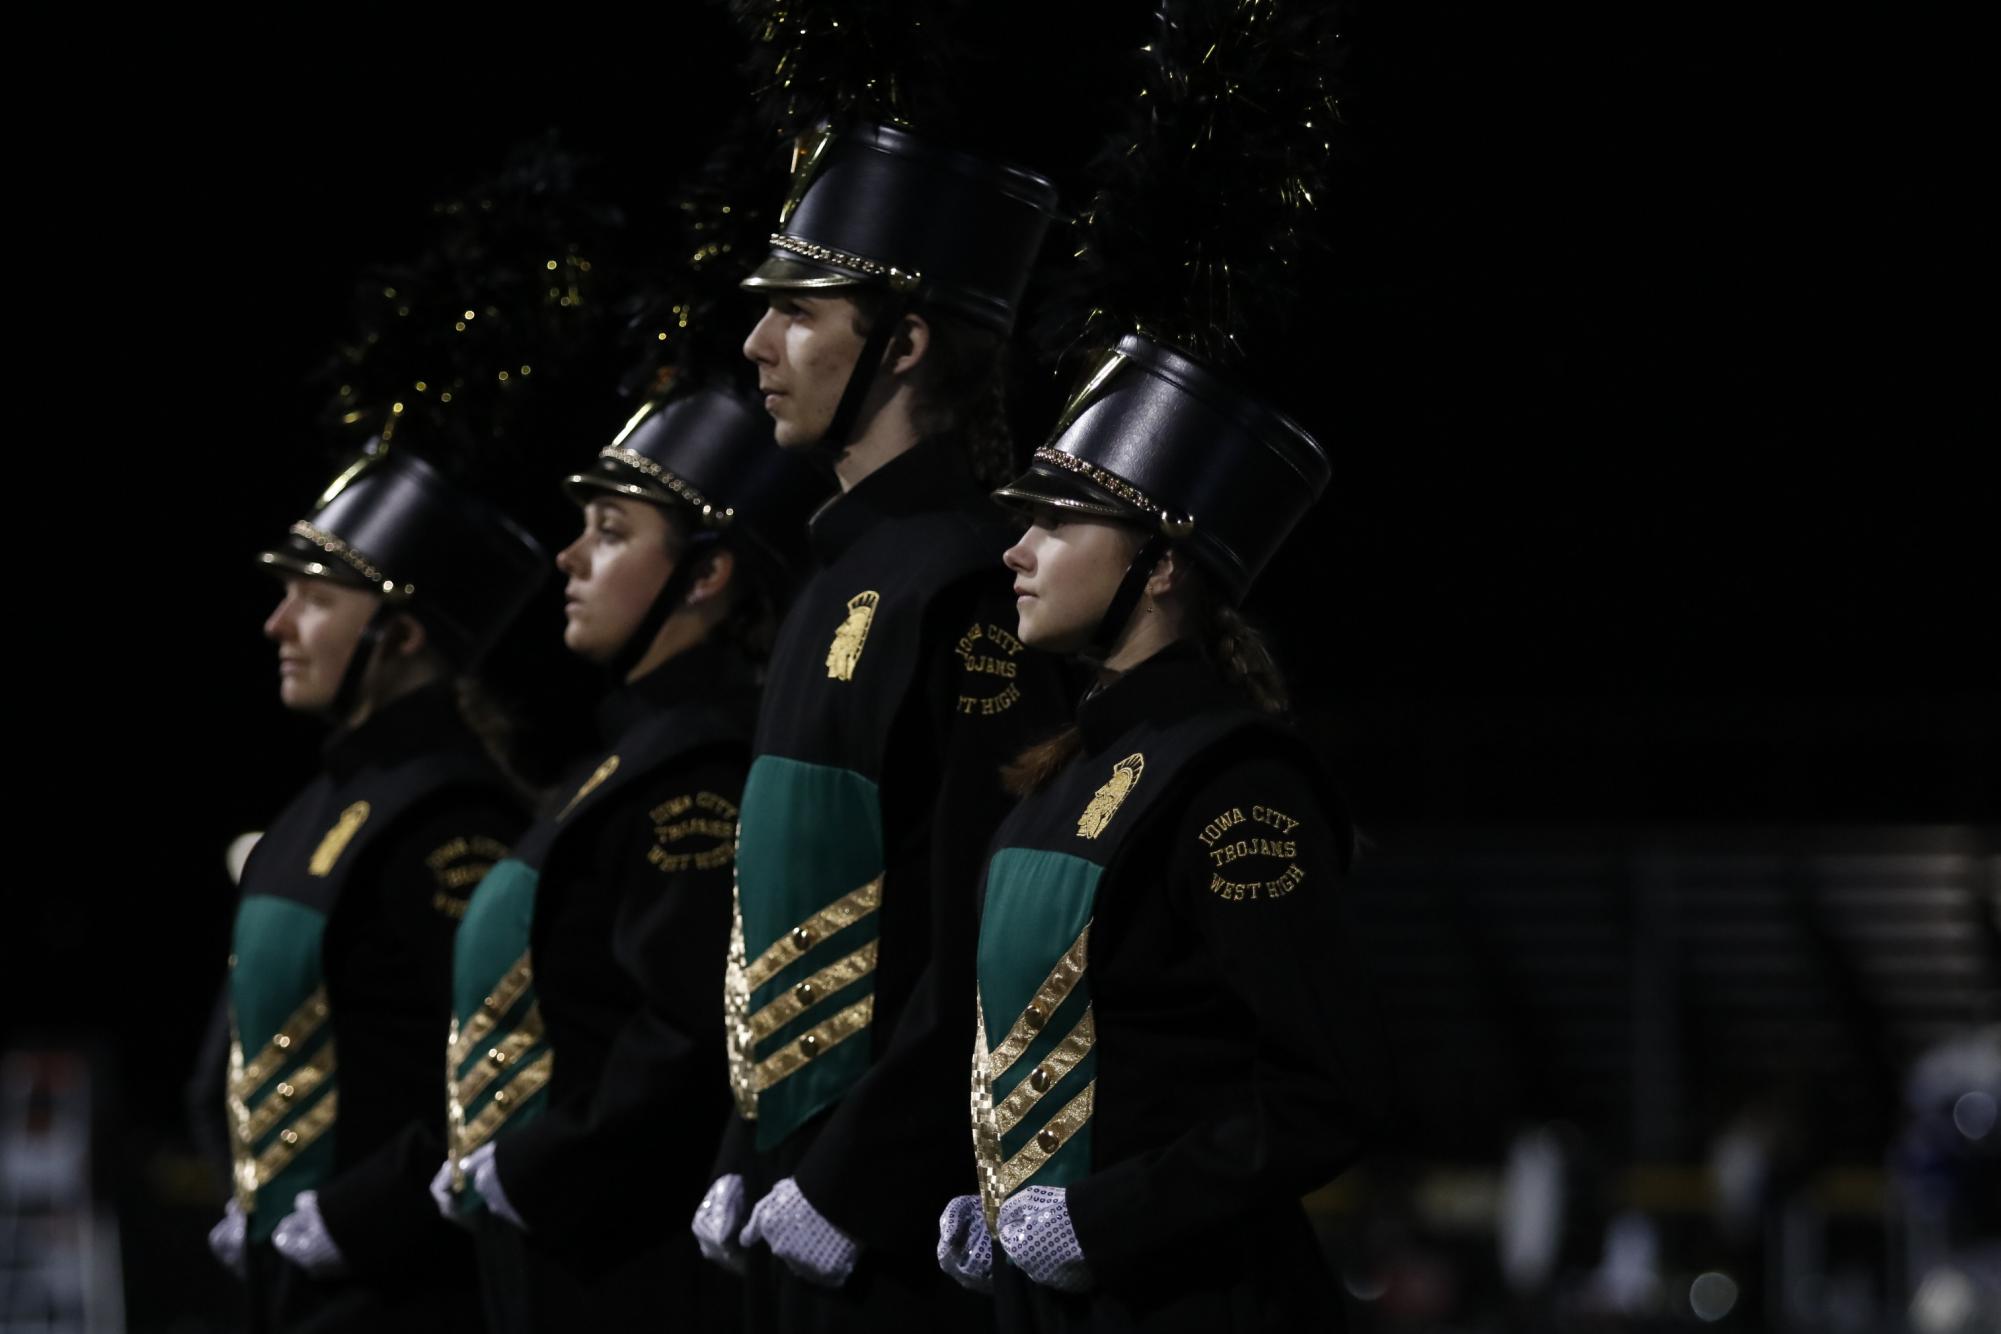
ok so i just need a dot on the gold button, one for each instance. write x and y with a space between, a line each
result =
803 993
1035 1018
281 1042
496 1056
285 1090
809 1045
1046 1141
500 1099
1041 1079
802 938
491 1005
290 1137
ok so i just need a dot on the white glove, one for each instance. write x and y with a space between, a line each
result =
483 1174
302 1237
225 1239
810 1246
450 1205
718 1219
1036 1234
965 1250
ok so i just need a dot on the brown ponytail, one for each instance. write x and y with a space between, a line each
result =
494 727
1240 652
1028 771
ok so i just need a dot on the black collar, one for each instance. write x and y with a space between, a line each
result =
426 719
931 475
707 671
1173 683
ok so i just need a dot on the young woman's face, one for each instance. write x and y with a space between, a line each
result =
616 568
1066 569
805 348
316 625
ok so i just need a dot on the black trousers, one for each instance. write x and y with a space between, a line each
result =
530 1289
1278 1284
285 1299
887 1294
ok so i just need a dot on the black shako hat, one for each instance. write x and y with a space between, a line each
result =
1159 438
875 206
391 524
710 452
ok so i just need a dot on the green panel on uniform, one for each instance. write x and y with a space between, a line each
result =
810 836
810 833
277 948
277 970
1037 905
494 934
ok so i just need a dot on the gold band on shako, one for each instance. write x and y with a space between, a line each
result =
716 515
897 279
1170 523
359 563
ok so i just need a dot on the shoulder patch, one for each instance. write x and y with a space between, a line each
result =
1252 854
334 842
693 832
850 635
989 659
458 866
1105 802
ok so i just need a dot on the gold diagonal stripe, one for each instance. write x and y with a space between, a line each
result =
813 991
285 1043
1057 1063
844 911
290 1095
485 1069
296 1138
1026 1163
506 1103
1055 988
737 1041
512 984
986 1141
242 1165
791 1058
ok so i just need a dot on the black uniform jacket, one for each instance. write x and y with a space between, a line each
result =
630 926
921 708
391 890
1227 1046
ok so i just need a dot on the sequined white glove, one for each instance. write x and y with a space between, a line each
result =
718 1219
483 1175
965 1250
225 1239
1036 1234
302 1237
810 1246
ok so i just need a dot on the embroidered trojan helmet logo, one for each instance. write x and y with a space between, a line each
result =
336 839
846 650
1106 800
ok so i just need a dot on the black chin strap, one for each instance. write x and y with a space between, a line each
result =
1120 609
837 438
665 602
347 695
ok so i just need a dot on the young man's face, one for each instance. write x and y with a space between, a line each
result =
805 348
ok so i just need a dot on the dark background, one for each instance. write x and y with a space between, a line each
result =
1655 501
